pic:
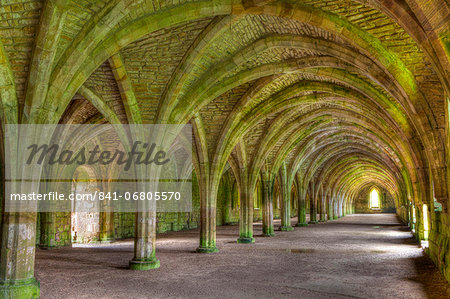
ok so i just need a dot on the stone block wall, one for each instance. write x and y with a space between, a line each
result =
55 235
439 242
123 225
362 202
62 234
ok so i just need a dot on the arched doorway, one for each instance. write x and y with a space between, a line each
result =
374 199
85 216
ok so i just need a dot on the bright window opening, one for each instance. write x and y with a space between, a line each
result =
425 222
374 199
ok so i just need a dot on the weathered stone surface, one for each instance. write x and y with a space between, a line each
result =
297 107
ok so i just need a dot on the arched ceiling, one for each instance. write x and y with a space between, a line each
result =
344 93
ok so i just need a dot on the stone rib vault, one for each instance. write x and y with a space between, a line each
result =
296 107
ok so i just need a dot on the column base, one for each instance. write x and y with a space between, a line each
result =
245 240
286 228
144 264
335 217
268 235
49 247
207 249
231 223
27 288
322 221
301 224
313 222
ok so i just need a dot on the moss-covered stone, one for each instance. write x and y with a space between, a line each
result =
28 288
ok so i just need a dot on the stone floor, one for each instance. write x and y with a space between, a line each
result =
358 256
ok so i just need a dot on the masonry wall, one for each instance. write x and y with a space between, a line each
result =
362 202
439 241
227 214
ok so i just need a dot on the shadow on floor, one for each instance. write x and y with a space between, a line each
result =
430 278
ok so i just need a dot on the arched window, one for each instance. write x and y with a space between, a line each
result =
374 201
425 222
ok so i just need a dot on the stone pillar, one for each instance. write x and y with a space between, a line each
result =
340 208
419 223
285 200
106 227
312 211
246 216
17 256
227 207
267 205
145 227
335 208
330 207
313 206
343 205
18 241
144 242
323 210
408 213
301 207
106 218
207 218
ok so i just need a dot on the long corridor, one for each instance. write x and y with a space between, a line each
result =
358 256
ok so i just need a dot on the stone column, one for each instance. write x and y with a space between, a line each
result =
340 210
144 242
18 234
145 227
343 211
313 206
345 207
313 211
227 207
419 224
106 226
330 207
106 217
323 211
17 256
246 215
285 189
301 213
267 204
207 217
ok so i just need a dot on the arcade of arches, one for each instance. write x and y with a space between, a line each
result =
297 108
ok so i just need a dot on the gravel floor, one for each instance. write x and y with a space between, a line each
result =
358 256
